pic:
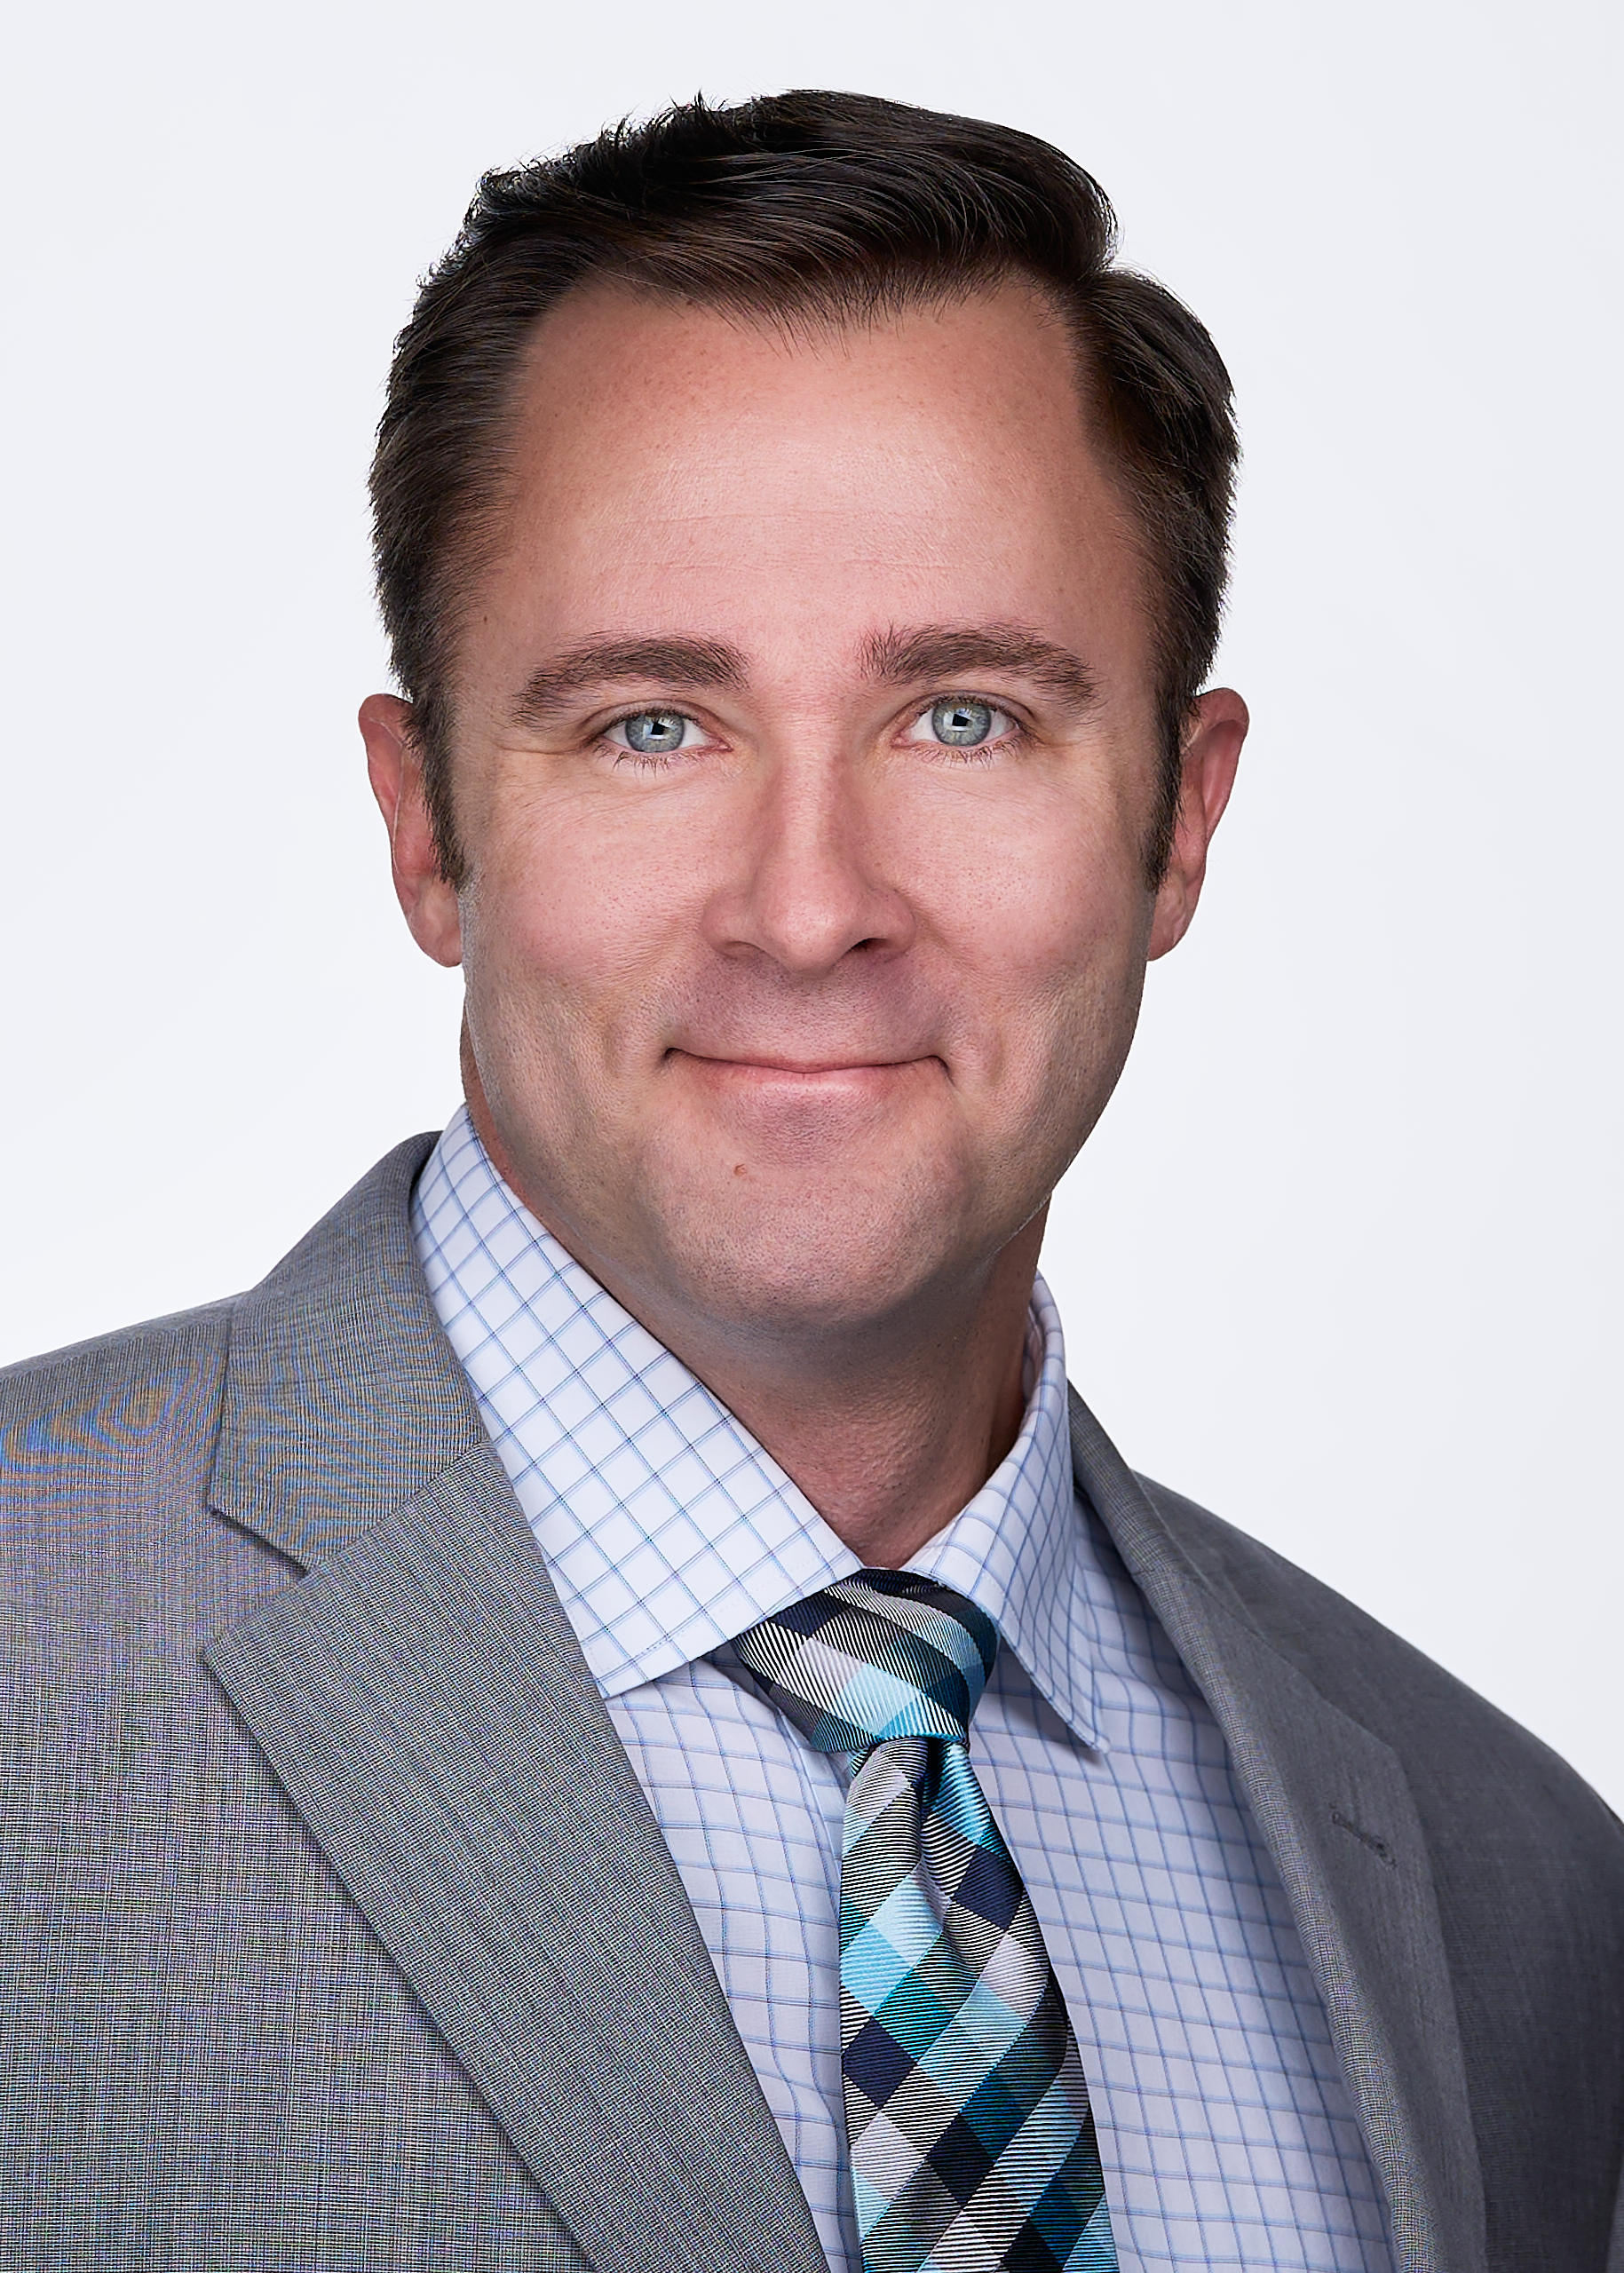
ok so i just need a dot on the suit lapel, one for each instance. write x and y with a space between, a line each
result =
1335 1807
421 1699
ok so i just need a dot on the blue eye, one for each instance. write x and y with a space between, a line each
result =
653 733
961 723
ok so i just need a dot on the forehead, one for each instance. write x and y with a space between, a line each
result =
675 463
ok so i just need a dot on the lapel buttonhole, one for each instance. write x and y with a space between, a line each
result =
1378 1847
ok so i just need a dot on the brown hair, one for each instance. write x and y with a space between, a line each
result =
809 205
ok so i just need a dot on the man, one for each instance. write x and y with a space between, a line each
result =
611 1714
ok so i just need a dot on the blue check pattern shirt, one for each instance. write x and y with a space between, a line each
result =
1226 2129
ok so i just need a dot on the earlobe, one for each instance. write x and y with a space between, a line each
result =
427 900
1212 753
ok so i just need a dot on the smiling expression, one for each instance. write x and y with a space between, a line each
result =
805 756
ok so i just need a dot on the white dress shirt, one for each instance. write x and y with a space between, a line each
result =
1226 2131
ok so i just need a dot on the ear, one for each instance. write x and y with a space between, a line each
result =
395 771
1212 752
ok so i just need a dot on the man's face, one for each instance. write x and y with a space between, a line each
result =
805 758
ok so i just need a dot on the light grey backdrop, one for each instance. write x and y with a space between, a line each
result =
1341 1260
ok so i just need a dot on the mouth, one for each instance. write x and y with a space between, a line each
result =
772 1067
811 1115
774 1089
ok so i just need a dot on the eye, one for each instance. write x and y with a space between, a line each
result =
961 722
654 733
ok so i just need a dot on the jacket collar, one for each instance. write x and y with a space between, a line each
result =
342 1401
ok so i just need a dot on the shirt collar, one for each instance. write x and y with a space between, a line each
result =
667 1528
1017 1548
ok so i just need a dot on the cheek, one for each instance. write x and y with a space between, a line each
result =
1046 902
559 908
1062 996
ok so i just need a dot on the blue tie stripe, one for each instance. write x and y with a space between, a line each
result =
972 2143
871 1958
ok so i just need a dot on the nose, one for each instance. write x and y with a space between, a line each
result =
808 885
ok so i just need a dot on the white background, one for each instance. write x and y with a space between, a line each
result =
1341 1260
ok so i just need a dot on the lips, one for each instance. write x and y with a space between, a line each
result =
774 1067
747 1062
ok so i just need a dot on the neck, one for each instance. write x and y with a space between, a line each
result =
888 1433
888 1439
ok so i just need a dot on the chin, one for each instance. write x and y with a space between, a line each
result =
814 1260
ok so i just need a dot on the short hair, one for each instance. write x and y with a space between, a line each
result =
803 206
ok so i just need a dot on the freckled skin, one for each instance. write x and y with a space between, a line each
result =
788 1033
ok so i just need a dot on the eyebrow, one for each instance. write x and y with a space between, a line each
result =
933 651
604 662
943 651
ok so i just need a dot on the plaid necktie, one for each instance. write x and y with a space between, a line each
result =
972 2143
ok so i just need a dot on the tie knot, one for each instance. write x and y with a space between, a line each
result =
880 1654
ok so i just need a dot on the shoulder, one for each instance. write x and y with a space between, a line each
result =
154 1389
111 1451
111 1563
97 1400
1467 1760
109 1427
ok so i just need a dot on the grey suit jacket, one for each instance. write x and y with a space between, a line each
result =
335 1931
